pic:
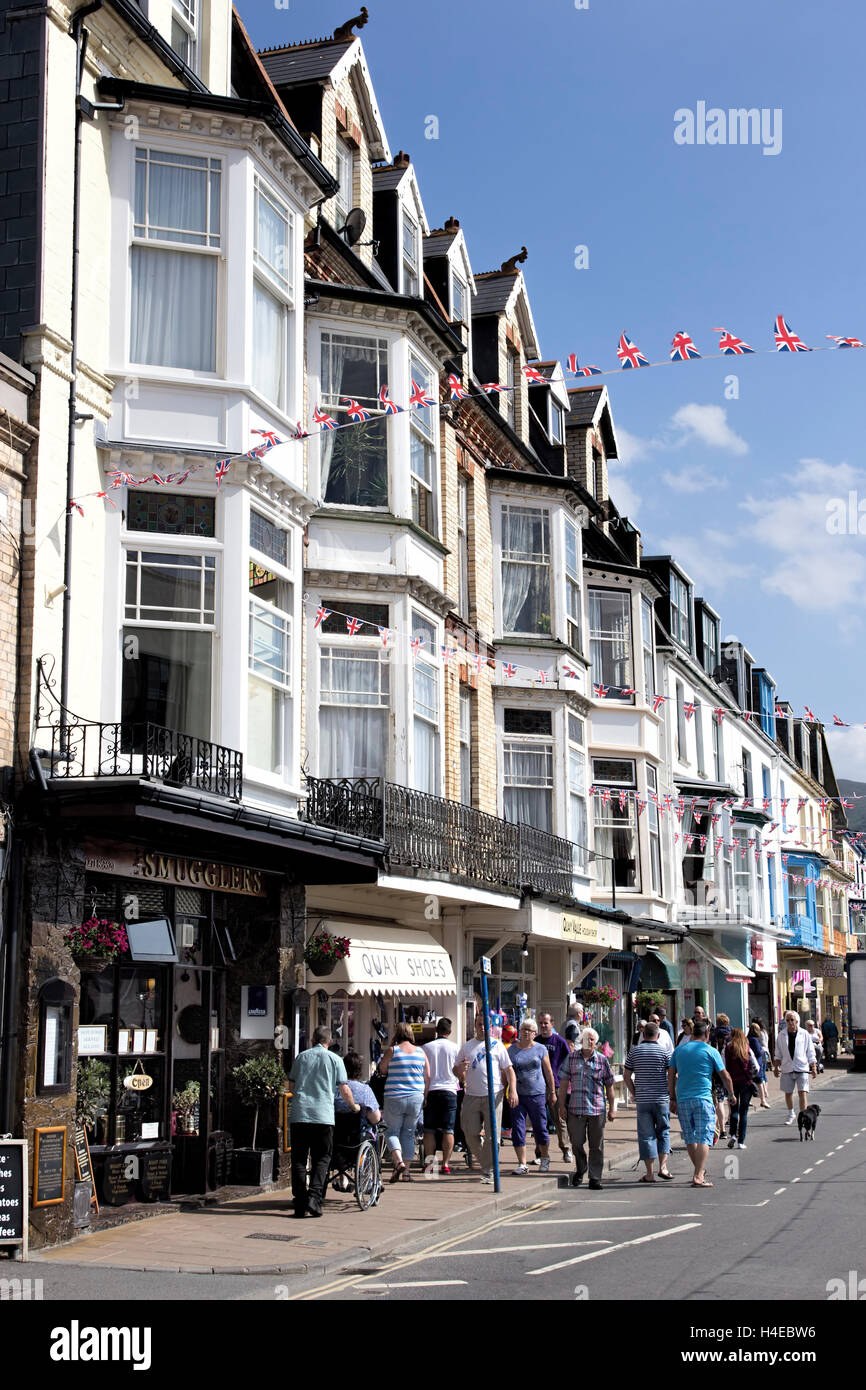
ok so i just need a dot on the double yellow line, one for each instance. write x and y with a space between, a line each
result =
423 1255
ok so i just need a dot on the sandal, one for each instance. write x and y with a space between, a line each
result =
705 1183
646 1179
668 1177
398 1172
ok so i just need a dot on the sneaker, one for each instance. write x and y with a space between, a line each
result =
486 1177
790 1119
545 1165
521 1170
741 1146
536 1161
732 1142
576 1179
567 1156
445 1169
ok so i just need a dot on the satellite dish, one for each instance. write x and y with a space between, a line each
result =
356 221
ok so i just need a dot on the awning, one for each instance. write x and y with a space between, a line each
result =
672 971
388 960
734 970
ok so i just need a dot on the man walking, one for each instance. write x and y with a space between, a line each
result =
795 1059
470 1069
830 1034
665 1039
664 1022
316 1074
440 1112
690 1086
557 1051
591 1079
646 1076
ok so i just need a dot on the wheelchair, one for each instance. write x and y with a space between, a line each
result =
356 1163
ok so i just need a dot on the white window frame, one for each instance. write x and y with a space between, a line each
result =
337 404
362 648
647 620
680 612
573 587
345 167
555 420
463 593
285 688
604 881
428 661
653 832
279 288
545 561
424 435
410 260
186 14
458 280
543 744
508 397
576 774
699 738
601 636
465 745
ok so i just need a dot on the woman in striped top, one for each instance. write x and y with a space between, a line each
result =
407 1081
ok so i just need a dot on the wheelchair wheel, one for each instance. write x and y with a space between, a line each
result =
368 1182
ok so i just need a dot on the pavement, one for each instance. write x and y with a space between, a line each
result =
258 1234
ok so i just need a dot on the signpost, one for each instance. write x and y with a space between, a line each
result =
13 1194
491 1098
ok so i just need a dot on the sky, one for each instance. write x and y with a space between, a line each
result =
556 131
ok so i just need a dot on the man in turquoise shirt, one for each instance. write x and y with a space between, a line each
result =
691 1069
315 1076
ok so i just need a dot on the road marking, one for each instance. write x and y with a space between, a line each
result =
414 1284
840 1146
585 1220
513 1249
805 1171
818 1162
847 1141
611 1249
796 1179
778 1192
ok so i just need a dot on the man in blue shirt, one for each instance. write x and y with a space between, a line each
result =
315 1076
690 1084
664 1022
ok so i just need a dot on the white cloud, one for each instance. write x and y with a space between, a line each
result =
633 449
693 480
707 424
848 752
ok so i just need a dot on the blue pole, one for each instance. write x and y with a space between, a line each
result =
491 1098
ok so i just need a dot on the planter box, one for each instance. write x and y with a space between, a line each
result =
253 1167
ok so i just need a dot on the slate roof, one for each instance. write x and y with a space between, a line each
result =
583 401
439 243
493 291
304 62
389 177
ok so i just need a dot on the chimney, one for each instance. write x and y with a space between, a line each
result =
452 225
402 160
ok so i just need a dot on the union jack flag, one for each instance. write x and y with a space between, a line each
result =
158 480
543 676
570 671
600 691
509 670
747 802
447 653
801 802
848 804
688 710
765 805
257 452
641 805
118 479
840 722
477 661
221 468
622 800
780 713
626 690
386 633
730 345
824 803
682 347
353 626
419 396
300 432
493 386
322 418
270 438
747 715
321 614
388 405
106 498
355 411
589 371
458 391
629 355
786 339
571 364
416 643
657 702
809 715
534 375
77 506
844 342
718 714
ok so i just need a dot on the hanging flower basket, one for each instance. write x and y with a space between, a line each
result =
601 994
323 951
96 943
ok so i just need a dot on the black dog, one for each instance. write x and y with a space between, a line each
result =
807 1121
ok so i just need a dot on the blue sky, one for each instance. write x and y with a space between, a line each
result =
556 130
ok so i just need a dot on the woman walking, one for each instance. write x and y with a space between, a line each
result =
407 1081
738 1065
686 1031
756 1043
720 1036
535 1082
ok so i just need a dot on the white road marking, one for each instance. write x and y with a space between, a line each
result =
639 1240
779 1191
796 1179
585 1220
847 1141
512 1249
414 1284
818 1162
805 1171
840 1146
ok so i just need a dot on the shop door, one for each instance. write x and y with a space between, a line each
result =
198 1071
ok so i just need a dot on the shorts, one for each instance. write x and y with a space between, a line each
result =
440 1112
794 1081
697 1120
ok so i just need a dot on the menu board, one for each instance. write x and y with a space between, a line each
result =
155 1174
13 1192
118 1178
49 1165
83 1165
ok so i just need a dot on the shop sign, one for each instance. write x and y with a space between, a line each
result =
591 930
764 953
178 869
92 1039
49 1165
138 1079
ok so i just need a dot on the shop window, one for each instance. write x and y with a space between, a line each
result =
513 976
54 1055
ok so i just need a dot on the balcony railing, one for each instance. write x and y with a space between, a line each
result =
437 836
78 750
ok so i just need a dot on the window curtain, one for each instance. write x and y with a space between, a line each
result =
177 198
426 757
272 239
173 309
610 639
525 803
352 742
268 343
516 576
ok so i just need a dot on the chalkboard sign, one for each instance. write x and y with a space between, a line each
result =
155 1174
13 1193
49 1165
83 1165
119 1178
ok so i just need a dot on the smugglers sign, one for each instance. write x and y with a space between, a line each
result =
179 869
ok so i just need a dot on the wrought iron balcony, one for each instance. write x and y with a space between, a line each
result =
76 750
437 836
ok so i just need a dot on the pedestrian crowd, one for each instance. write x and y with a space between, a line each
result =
550 1083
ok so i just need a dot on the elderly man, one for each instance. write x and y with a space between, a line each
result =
693 1066
470 1068
316 1076
646 1076
816 1043
661 1035
795 1059
588 1074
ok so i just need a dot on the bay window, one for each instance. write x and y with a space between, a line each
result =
572 585
647 623
652 811
615 819
577 822
527 754
354 462
525 570
425 709
177 241
610 638
269 668
272 294
422 451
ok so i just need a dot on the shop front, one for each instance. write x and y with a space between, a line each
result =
762 990
715 977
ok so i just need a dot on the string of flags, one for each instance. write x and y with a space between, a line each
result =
702 807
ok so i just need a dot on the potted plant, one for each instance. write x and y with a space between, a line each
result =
599 994
648 1000
185 1104
92 1091
258 1081
323 951
96 943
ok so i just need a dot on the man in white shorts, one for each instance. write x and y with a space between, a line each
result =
795 1059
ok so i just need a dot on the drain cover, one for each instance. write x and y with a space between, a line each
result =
267 1235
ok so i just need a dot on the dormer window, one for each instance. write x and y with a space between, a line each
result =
459 300
681 630
345 174
555 422
411 255
507 397
710 659
184 31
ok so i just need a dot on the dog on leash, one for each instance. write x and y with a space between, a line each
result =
807 1121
